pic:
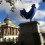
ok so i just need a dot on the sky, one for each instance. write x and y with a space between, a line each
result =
15 16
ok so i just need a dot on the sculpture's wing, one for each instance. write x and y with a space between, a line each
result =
23 13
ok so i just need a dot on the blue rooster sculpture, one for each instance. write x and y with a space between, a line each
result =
30 14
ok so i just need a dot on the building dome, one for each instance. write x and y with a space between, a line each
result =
7 20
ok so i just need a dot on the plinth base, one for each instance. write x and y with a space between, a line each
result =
28 34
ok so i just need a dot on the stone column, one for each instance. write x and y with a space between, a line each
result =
28 34
14 31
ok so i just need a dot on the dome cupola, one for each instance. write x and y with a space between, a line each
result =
7 20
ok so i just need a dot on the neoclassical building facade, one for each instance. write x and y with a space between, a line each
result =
8 30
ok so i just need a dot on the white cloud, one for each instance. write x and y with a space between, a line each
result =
19 5
16 16
39 14
32 1
42 25
5 6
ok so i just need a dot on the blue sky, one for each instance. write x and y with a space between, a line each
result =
15 16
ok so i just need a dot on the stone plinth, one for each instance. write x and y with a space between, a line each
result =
28 33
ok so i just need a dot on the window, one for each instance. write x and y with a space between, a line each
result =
8 31
4 31
0 31
12 31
